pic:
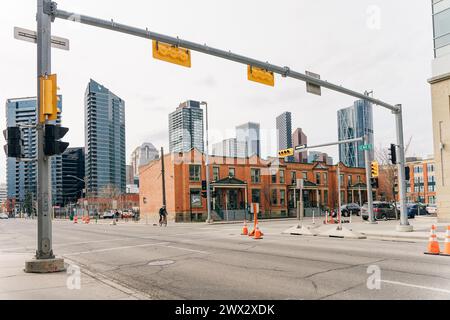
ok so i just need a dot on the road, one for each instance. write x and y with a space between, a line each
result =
198 261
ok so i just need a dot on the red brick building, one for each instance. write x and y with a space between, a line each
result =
122 202
238 182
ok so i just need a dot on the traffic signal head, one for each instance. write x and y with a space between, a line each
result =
393 154
375 169
14 147
204 194
286 153
374 183
204 185
407 173
52 145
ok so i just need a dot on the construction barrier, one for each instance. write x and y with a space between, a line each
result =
433 244
446 251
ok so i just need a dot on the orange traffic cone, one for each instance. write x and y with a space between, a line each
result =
245 229
75 219
433 244
258 234
446 251
87 220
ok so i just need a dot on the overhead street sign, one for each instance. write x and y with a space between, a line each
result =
260 75
173 54
313 88
31 36
366 147
301 147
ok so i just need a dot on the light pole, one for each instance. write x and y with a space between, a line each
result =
208 191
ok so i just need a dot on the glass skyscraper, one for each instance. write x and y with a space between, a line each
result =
441 27
105 141
73 162
22 176
355 122
284 130
186 128
249 134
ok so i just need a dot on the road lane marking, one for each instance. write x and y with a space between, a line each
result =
415 286
185 249
116 248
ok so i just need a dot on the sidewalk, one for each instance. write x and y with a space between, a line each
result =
15 284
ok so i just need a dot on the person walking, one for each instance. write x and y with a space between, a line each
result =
163 216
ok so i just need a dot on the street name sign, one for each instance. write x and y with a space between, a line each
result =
31 36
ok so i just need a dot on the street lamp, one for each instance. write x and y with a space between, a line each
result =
208 191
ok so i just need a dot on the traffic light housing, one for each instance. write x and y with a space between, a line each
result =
374 183
204 194
375 169
393 154
48 98
286 153
204 185
14 147
407 173
52 135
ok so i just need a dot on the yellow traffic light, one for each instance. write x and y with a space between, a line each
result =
375 169
48 98
172 54
260 75
286 153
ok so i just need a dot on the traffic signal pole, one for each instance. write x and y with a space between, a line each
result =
51 10
369 184
45 260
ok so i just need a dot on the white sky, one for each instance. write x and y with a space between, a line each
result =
341 40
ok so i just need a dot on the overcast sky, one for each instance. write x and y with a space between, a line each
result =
379 45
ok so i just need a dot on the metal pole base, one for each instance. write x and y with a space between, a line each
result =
211 221
402 228
45 266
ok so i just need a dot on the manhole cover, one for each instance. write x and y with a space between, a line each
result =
161 263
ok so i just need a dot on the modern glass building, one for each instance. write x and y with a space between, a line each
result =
441 27
249 134
22 176
105 140
73 162
186 128
142 156
355 122
230 148
284 131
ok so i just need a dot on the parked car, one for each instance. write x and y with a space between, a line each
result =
3 216
127 214
415 209
109 215
350 209
432 209
381 211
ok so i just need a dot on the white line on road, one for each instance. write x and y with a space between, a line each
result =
191 250
116 248
415 286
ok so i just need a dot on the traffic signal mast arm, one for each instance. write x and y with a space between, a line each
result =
203 48
304 148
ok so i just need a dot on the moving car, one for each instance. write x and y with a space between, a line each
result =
3 216
415 209
381 211
432 209
350 209
109 215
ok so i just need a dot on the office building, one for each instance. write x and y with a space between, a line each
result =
105 140
142 156
231 148
22 176
299 138
284 132
316 156
355 122
440 91
249 134
186 128
73 175
3 193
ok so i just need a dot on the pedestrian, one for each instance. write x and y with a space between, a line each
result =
163 216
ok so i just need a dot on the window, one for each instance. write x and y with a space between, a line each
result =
432 200
305 175
359 179
293 177
256 196
274 176
430 167
349 180
325 178
194 172
274 197
325 197
216 176
231 172
341 179
318 178
196 198
282 176
282 197
255 175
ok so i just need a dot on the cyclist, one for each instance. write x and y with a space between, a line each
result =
163 216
